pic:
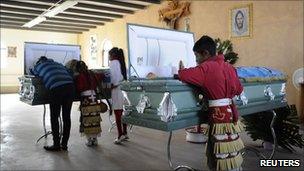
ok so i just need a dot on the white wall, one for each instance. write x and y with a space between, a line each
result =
12 68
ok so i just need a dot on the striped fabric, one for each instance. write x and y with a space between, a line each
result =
53 74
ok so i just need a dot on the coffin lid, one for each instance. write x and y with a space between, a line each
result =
58 52
158 51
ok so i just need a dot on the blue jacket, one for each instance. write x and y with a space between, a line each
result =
53 74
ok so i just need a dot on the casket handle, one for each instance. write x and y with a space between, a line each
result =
283 92
21 90
242 97
144 102
268 92
31 92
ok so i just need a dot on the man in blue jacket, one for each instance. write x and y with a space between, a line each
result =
59 81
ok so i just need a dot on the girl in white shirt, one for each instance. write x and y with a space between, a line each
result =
118 73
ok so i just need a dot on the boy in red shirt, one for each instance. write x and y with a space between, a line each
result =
219 82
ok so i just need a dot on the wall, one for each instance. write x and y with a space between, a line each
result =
277 39
14 66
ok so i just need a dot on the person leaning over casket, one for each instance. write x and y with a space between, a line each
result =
219 83
59 81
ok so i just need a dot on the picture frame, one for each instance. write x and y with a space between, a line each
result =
12 52
93 47
241 21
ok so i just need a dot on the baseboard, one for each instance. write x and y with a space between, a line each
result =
9 89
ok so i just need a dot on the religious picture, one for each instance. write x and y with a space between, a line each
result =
93 47
241 21
12 51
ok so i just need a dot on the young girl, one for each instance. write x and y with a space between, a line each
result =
118 73
90 120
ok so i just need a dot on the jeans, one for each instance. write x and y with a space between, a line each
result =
61 98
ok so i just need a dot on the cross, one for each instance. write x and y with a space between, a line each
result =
92 98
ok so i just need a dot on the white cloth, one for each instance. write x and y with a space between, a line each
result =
88 93
116 77
220 102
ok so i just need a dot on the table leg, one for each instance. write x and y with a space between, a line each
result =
112 123
169 157
257 152
131 128
44 112
46 133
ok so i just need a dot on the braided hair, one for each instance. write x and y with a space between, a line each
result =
118 54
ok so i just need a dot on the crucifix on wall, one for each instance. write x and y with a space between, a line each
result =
173 12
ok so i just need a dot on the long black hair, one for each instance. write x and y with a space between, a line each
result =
81 67
118 54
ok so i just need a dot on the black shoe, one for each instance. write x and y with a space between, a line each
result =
52 148
64 147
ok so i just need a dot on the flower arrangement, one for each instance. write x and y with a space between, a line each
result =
226 48
286 127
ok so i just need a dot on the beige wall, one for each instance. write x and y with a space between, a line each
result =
277 39
14 67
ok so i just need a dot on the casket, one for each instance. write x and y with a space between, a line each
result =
167 104
32 90
160 104
170 104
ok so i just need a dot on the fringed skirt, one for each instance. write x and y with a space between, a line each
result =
224 144
90 115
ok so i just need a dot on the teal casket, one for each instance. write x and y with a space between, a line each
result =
170 104
33 92
166 104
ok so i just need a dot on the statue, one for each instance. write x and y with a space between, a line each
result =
187 24
173 12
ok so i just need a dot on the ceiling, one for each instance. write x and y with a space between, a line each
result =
85 15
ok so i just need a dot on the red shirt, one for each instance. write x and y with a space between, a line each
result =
85 81
217 78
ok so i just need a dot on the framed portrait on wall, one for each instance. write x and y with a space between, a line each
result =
241 21
12 52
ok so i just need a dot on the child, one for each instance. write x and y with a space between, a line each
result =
220 84
118 73
86 83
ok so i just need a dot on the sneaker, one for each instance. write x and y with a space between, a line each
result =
52 148
95 141
89 143
125 137
64 147
118 140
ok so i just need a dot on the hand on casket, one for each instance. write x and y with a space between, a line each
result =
181 65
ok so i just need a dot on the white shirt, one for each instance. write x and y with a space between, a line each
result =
116 77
